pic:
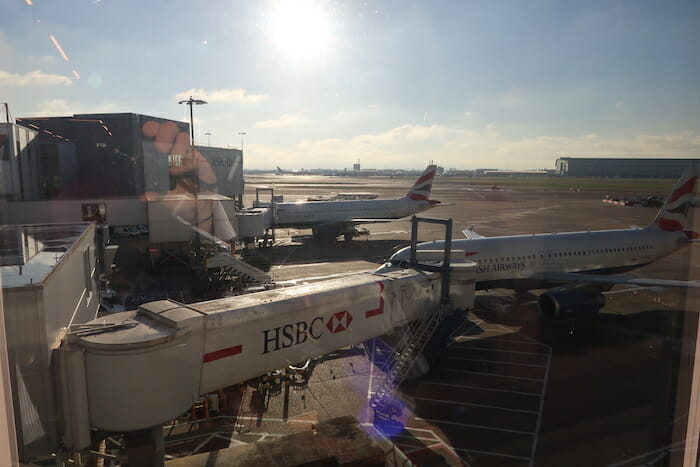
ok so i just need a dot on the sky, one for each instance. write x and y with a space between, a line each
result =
393 84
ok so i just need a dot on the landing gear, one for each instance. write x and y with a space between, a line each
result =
267 240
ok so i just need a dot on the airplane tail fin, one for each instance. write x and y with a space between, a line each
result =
674 214
421 189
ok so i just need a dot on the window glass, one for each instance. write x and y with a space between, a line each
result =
206 219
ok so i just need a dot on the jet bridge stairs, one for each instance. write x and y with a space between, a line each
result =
232 266
405 356
418 337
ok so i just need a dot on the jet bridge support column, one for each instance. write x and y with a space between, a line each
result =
273 210
444 269
145 448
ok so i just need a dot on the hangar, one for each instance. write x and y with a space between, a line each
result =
621 167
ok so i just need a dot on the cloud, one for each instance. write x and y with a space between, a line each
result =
54 107
685 143
510 98
396 147
33 78
222 95
282 122
411 134
620 104
492 130
61 107
411 146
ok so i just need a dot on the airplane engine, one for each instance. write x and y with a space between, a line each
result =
571 302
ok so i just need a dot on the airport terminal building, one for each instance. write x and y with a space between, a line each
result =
66 169
619 167
117 155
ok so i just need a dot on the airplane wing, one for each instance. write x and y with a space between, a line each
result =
612 279
470 234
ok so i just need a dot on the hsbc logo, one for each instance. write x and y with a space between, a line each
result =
291 334
339 322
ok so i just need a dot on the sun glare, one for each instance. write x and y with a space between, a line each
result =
299 29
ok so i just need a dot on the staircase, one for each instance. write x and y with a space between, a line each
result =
233 266
409 349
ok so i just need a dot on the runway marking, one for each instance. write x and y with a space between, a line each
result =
369 385
412 437
473 404
542 394
507 330
455 334
484 349
390 232
440 443
264 419
492 453
329 276
471 425
304 265
541 410
226 437
530 339
531 365
483 373
429 447
498 339
540 359
478 388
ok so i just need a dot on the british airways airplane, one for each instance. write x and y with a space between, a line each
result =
579 264
332 218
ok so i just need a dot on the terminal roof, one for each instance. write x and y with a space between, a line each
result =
28 253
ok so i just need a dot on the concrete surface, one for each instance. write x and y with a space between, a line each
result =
511 389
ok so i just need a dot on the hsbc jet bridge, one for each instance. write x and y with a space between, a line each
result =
138 369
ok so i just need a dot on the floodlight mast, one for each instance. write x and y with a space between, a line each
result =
241 134
191 102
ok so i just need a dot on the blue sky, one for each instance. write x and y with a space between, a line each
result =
506 84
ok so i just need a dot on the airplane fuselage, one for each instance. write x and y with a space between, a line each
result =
503 261
310 213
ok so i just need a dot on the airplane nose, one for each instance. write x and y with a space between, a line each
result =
382 269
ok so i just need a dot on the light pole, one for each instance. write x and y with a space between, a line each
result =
241 133
195 163
208 135
191 101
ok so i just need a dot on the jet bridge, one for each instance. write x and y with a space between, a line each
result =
139 369
133 371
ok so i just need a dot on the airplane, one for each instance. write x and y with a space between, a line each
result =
333 218
579 265
281 171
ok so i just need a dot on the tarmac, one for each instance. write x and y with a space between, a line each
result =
511 389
